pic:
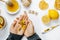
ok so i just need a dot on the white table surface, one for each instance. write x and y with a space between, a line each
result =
38 25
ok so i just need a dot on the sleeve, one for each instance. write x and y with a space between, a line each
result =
14 37
34 37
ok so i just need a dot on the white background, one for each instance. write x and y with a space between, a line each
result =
38 25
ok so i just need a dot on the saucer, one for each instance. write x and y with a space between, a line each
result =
4 23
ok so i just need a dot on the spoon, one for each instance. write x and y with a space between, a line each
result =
9 3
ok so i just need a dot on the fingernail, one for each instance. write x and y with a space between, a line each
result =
17 18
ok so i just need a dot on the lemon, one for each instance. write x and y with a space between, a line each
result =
53 14
45 19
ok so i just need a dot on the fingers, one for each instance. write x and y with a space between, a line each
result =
19 28
13 24
22 29
30 29
30 25
25 16
20 18
18 21
30 22
17 18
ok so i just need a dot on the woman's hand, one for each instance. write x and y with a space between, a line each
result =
27 29
16 27
30 29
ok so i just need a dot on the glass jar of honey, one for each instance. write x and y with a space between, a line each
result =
14 7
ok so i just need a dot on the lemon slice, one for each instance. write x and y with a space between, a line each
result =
53 14
1 20
24 27
1 26
22 22
57 4
43 5
46 19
